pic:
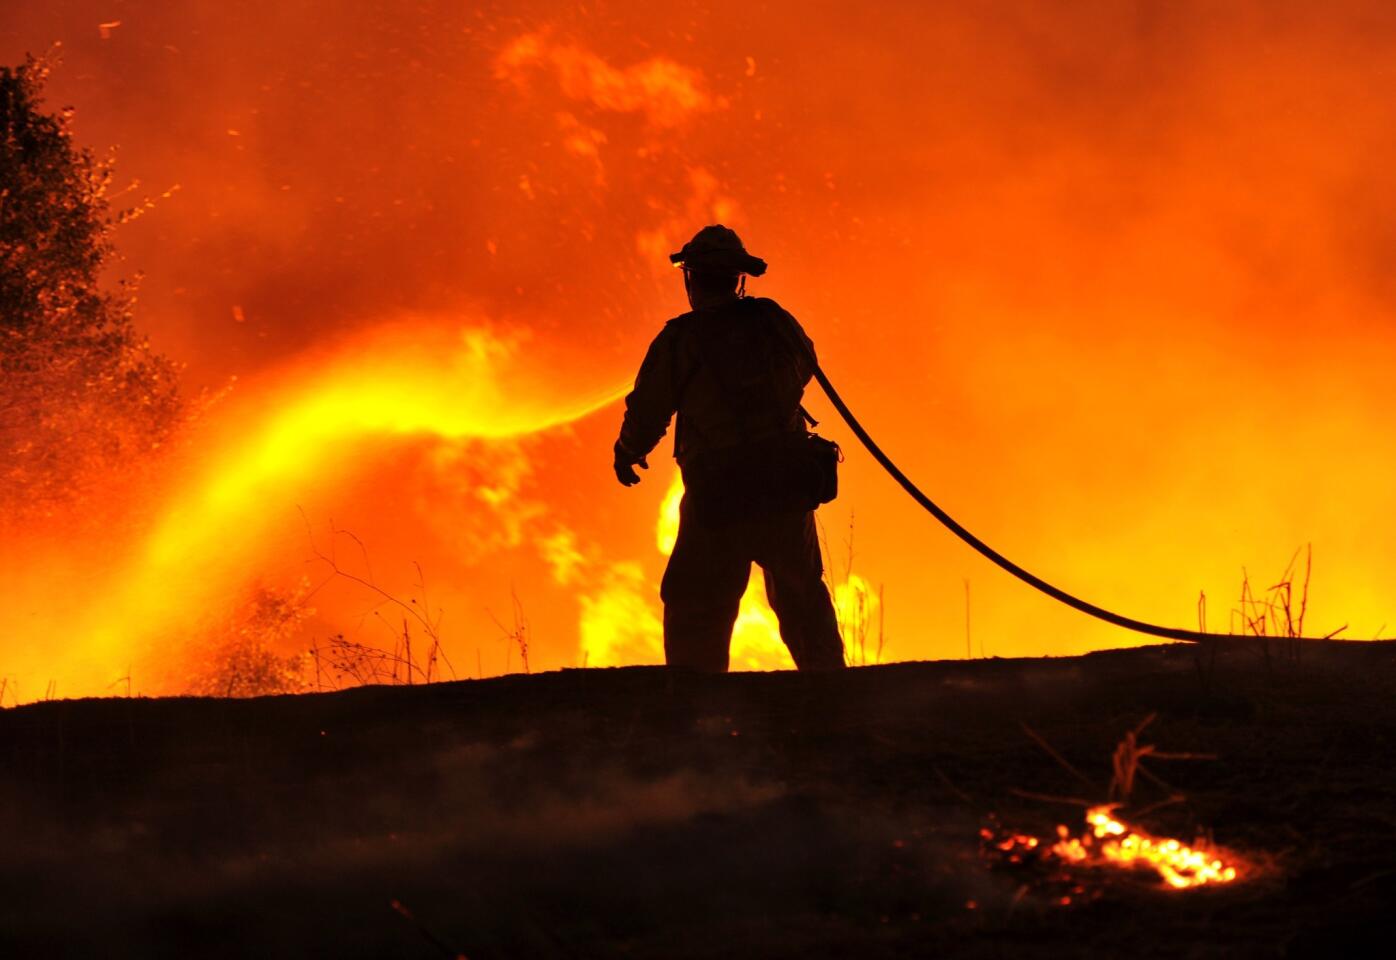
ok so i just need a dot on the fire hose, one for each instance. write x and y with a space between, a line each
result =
1031 579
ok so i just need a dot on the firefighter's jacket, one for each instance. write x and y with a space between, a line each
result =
733 373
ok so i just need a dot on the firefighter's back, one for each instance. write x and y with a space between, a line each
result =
743 377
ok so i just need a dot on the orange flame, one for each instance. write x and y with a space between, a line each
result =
619 625
1110 841
665 91
410 380
1122 319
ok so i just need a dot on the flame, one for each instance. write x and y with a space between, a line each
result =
1109 842
404 380
1122 319
619 625
617 622
663 90
1112 842
756 643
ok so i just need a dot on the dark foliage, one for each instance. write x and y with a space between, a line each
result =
81 394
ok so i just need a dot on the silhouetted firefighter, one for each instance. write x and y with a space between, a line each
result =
734 371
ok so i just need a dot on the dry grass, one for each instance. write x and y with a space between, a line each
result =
342 662
855 624
248 656
516 636
1274 616
1127 768
1276 613
339 663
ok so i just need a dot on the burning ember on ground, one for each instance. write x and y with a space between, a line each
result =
1109 842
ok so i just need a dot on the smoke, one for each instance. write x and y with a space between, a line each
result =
1113 281
666 93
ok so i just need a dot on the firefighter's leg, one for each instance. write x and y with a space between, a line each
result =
702 589
794 571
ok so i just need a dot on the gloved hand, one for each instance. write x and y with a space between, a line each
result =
625 466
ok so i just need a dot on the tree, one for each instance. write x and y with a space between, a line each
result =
82 396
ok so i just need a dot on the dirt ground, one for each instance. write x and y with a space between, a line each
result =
641 813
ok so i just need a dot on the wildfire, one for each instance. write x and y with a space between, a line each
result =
618 626
1034 287
1109 842
414 379
756 643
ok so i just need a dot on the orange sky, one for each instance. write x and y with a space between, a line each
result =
1115 285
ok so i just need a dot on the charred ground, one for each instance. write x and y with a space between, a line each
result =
639 813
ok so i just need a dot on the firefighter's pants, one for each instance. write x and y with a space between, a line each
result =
708 573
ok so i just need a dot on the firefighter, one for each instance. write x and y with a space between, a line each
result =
733 372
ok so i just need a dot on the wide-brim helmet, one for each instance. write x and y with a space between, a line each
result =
717 249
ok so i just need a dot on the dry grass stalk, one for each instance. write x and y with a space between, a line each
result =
341 663
1276 614
1051 752
1126 764
344 662
1126 767
517 637
855 624
1205 653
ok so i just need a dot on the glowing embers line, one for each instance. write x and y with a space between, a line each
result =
1109 842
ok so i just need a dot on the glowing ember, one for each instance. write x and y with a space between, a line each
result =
1111 843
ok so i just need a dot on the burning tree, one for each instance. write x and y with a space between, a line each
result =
81 393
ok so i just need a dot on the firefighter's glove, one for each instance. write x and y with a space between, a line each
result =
625 466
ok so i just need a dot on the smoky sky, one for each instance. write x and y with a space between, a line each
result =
1114 279
335 162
